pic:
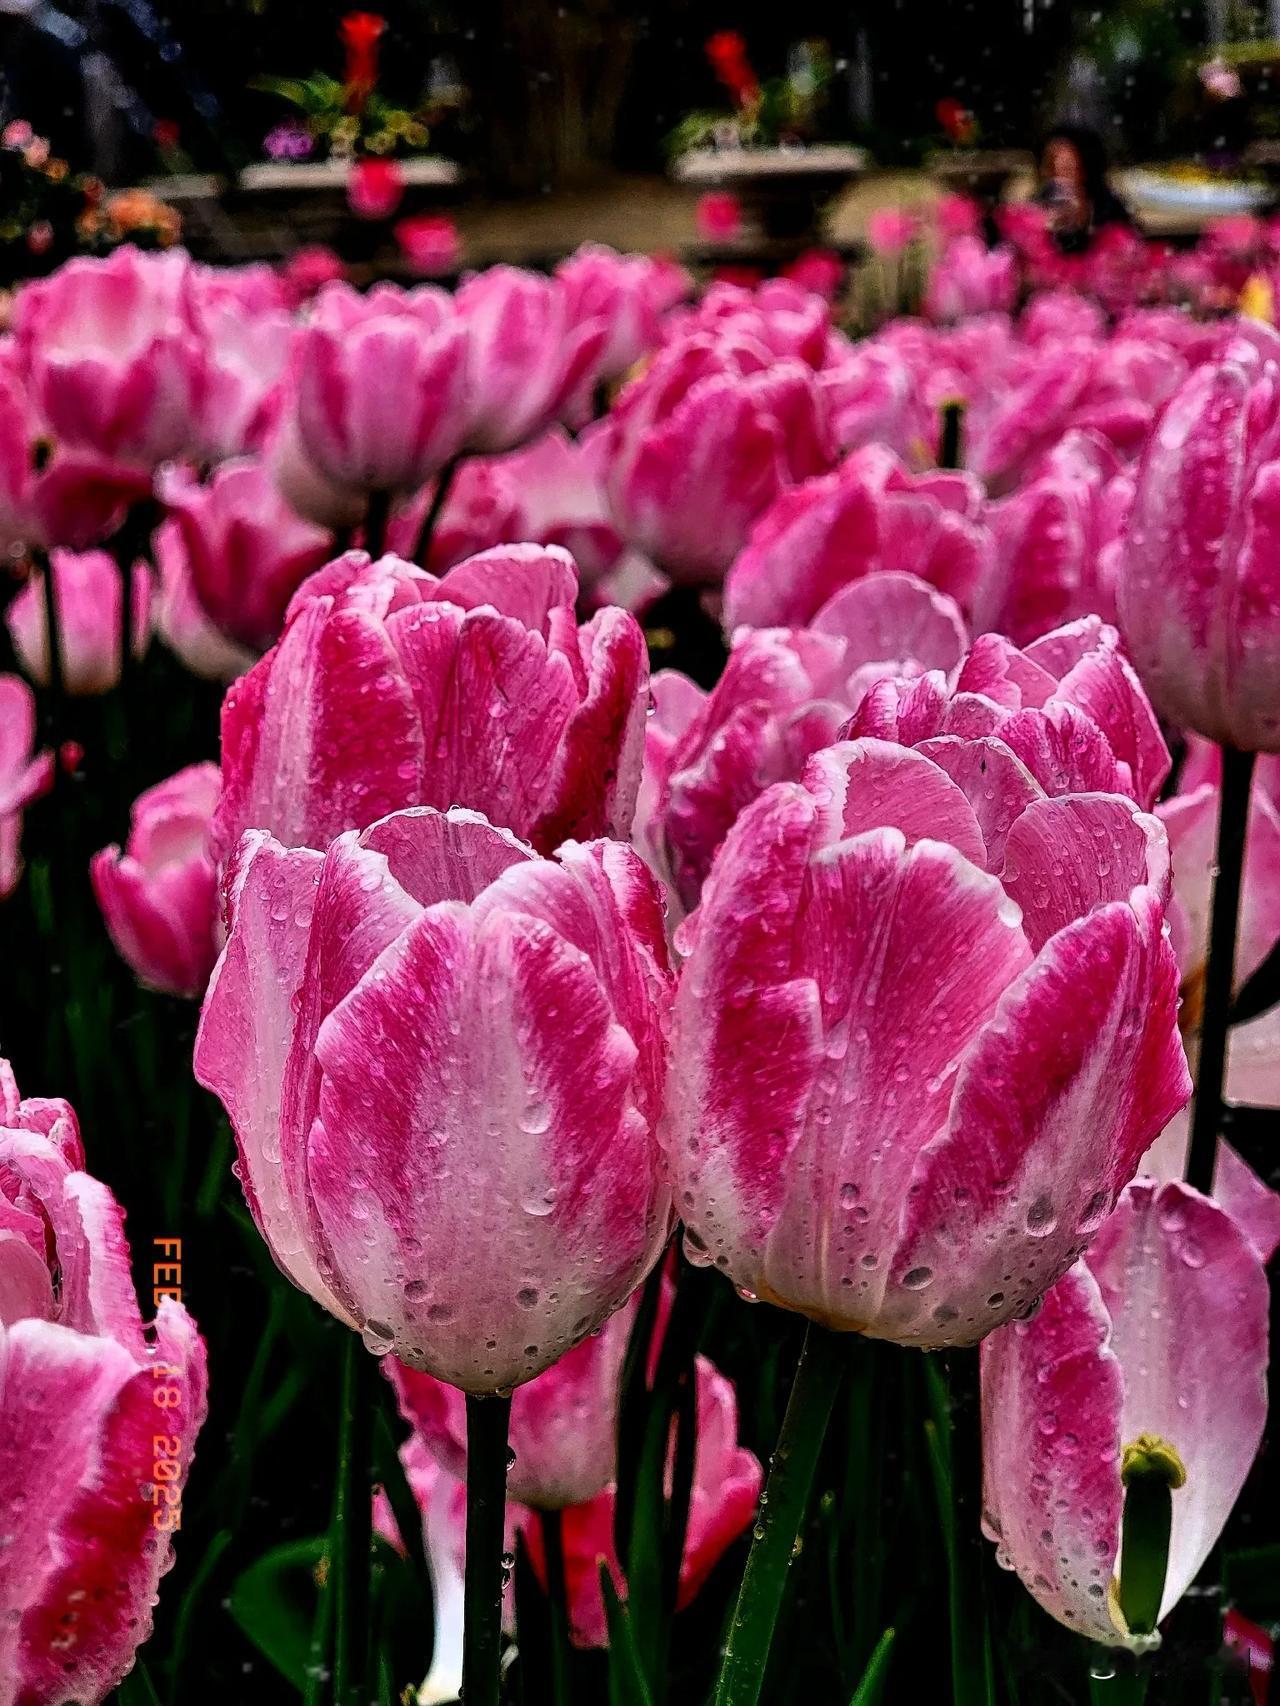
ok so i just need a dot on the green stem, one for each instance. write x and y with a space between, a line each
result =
1219 980
352 1530
951 447
376 516
971 1672
782 1510
426 533
53 647
1116 1679
488 1420
552 1525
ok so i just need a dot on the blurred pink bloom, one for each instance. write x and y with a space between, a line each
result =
84 1559
159 897
957 216
435 956
968 278
88 589
111 356
703 441
718 216
375 188
430 243
926 1030
343 721
726 1488
24 775
529 362
481 509
560 494
870 514
630 294
377 399
243 549
1157 1339
1068 706
308 270
769 317
1199 572
890 230
820 270
247 334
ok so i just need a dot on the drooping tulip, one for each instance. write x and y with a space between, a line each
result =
701 444
784 694
1069 705
244 549
926 1031
112 358
88 591
870 515
391 688
1198 588
87 1509
24 775
443 1061
376 399
159 897
1151 1352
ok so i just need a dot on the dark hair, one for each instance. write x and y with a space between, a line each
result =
1093 156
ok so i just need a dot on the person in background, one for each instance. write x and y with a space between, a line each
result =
1074 187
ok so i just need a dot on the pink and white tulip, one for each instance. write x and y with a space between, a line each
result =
925 1033
629 294
159 898
24 775
246 333
391 688
1199 579
1159 1334
83 1560
443 1059
88 590
968 278
111 355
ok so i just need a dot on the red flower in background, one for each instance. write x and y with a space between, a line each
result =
956 119
360 33
727 52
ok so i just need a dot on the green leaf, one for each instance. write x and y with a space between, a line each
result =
628 1685
273 1604
870 1691
137 1689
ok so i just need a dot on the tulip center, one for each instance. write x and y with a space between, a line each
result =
1151 1472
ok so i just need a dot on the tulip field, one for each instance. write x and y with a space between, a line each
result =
640 1000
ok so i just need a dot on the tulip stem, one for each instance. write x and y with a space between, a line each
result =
53 646
488 1420
1233 825
951 444
352 1530
427 532
552 1525
376 516
782 1509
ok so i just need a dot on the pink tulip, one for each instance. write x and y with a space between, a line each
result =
247 334
957 216
1056 540
1069 707
529 363
416 980
377 400
926 1030
775 317
1155 1343
87 588
702 443
159 897
307 271
564 1422
629 294
718 216
783 695
1057 316
559 484
375 188
871 393
430 243
24 776
243 548
890 230
821 271
391 688
481 509
726 1487
1198 594
52 494
870 515
968 278
86 1509
111 355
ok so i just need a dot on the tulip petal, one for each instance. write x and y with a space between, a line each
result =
997 785
1052 1393
1188 1300
872 784
1064 857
